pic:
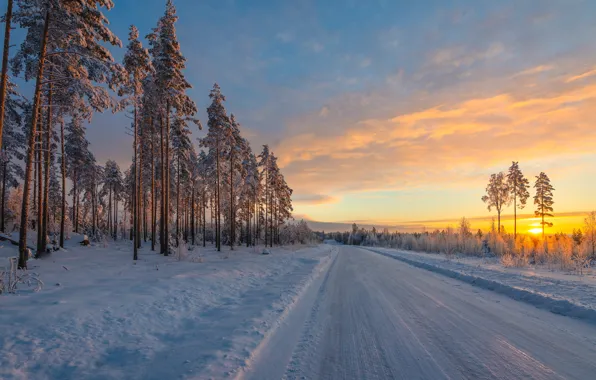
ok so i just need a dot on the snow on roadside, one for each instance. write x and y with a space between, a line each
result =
102 316
564 294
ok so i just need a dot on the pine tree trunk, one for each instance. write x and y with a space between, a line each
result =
39 149
178 202
217 207
31 146
2 220
167 176
115 215
162 237
153 205
232 217
75 212
204 218
4 79
134 211
140 192
46 188
192 216
514 216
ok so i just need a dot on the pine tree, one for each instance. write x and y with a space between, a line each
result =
13 142
214 142
138 67
518 185
543 200
171 85
497 195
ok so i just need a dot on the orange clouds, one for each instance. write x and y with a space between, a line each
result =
438 139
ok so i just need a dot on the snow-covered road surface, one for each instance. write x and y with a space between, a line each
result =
374 317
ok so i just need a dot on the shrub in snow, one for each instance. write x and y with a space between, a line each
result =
11 277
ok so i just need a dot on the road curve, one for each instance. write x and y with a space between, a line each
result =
377 318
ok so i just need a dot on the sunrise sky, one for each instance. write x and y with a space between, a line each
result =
394 112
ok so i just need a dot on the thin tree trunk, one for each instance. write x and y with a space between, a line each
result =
515 215
4 79
4 169
75 218
204 217
28 166
46 187
167 175
153 205
192 216
178 202
217 212
232 217
39 145
140 192
115 215
134 211
162 237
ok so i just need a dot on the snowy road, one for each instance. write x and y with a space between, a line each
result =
373 317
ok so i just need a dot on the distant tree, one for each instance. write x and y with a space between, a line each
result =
464 231
590 233
518 186
497 195
577 236
543 200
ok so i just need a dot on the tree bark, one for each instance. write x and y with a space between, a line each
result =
4 78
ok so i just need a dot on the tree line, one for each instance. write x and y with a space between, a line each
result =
171 189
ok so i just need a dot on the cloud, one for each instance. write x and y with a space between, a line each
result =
458 56
284 37
381 141
314 199
535 70
581 76
365 62
315 46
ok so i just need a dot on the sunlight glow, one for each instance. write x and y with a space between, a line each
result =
535 231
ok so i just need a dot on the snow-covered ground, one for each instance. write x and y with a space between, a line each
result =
561 292
100 315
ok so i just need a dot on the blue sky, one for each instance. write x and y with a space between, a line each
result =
391 110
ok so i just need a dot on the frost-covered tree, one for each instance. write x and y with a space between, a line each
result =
218 121
543 200
113 186
497 195
589 235
79 158
56 29
518 186
137 64
13 142
183 151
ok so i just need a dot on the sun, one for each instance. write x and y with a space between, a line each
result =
535 231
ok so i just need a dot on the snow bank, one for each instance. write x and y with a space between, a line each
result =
101 315
570 297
